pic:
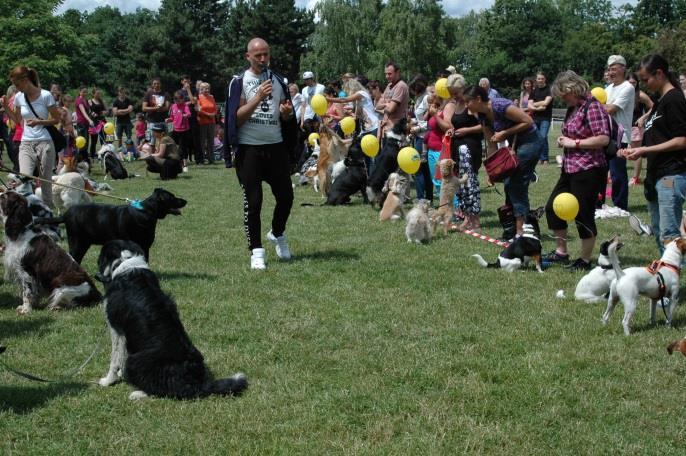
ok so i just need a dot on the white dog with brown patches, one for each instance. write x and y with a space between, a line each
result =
659 280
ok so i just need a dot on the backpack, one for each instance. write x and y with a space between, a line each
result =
616 134
113 166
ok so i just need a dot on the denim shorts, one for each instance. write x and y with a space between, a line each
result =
666 212
517 186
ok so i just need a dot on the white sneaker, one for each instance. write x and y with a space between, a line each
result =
258 259
281 245
185 169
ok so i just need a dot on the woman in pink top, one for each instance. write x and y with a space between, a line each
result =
433 139
179 116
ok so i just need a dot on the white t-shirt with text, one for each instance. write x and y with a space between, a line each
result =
264 126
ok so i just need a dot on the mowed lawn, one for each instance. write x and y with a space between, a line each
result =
363 344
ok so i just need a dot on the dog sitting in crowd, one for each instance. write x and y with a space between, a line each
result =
521 251
69 187
94 223
332 149
395 189
352 179
387 160
150 347
449 186
111 165
418 228
41 267
595 286
657 281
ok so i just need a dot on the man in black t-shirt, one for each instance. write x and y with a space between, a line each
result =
122 108
155 106
541 105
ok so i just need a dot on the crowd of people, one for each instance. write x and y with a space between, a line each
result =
468 124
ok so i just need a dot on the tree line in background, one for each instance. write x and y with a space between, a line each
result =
206 39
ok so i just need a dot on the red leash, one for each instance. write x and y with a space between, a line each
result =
483 237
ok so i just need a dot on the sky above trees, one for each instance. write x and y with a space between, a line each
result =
451 7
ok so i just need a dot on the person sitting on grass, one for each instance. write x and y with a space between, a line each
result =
165 159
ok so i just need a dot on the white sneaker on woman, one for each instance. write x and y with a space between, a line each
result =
258 259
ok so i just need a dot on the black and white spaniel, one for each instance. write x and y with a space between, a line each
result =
150 347
41 267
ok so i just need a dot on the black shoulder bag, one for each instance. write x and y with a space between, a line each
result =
58 138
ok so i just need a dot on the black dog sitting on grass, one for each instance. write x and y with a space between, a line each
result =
150 347
89 224
352 180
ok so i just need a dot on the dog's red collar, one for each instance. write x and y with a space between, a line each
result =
656 265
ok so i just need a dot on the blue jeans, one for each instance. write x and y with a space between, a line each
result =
517 186
666 212
543 129
433 156
620 182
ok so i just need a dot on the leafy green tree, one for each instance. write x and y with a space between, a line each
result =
343 40
33 36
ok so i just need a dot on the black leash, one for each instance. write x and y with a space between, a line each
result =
61 378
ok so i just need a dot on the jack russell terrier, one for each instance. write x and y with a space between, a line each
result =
657 281
595 286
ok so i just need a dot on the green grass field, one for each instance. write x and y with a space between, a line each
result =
363 344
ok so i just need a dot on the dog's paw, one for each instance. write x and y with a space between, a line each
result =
137 395
23 310
108 381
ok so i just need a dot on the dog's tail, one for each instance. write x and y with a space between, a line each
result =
227 386
485 264
614 260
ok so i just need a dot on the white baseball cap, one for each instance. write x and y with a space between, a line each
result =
308 75
613 59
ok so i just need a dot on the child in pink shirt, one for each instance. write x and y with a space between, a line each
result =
141 126
179 117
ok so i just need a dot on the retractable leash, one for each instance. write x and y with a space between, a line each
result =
135 203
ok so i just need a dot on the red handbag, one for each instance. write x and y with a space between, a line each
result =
501 165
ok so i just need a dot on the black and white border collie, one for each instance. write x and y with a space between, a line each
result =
150 347
41 267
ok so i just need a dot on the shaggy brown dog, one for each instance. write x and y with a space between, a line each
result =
331 150
449 184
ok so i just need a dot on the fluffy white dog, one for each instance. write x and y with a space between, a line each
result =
419 229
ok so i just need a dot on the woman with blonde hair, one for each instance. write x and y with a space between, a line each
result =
585 133
363 105
36 109
207 112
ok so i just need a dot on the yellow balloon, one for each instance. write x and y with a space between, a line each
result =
319 104
347 125
599 94
566 206
312 138
370 145
442 88
109 128
409 160
80 142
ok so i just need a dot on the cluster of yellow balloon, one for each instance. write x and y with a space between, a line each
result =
370 145
599 94
319 104
409 160
80 142
347 125
566 206
441 87
312 138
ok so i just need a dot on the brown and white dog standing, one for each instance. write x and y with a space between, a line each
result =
41 267
657 281
332 149
449 185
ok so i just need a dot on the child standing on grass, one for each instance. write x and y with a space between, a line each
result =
179 117
141 126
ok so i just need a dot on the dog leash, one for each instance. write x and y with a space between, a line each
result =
68 375
135 203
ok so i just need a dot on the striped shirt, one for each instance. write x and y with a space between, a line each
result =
596 123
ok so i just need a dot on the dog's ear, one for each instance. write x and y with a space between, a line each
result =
17 213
